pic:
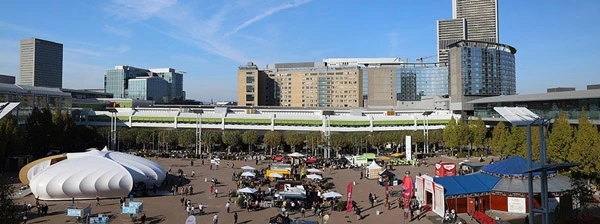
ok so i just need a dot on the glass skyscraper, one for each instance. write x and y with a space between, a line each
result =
416 80
149 88
41 63
119 80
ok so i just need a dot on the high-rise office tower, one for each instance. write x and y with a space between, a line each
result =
471 20
41 63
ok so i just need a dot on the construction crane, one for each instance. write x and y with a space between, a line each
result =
426 57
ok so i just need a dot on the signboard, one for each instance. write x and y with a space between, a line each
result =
73 212
516 205
190 220
438 200
408 148
101 219
349 197
445 169
132 208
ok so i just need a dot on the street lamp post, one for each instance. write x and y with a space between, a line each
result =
113 127
426 130
327 115
198 144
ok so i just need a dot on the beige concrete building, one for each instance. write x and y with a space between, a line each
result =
382 86
307 84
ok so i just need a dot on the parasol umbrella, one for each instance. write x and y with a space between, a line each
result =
276 175
311 160
397 155
248 168
313 170
247 190
332 194
314 176
384 158
278 158
248 174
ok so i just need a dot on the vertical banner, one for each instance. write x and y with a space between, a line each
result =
408 148
438 199
349 197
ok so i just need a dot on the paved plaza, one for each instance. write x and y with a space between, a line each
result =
169 209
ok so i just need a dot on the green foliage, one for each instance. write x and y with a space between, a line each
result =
232 138
293 139
478 132
211 138
450 134
499 139
341 205
7 214
338 141
187 138
272 139
581 194
586 149
250 138
11 138
516 141
143 137
560 139
464 133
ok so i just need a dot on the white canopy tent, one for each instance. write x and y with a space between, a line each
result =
248 174
332 194
247 190
373 171
296 155
314 177
248 168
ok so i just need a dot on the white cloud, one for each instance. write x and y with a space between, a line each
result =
267 13
119 31
139 10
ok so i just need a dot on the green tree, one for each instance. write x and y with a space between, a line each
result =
11 138
7 209
293 139
170 138
478 132
127 136
450 134
272 139
499 137
211 138
464 134
560 139
435 138
250 138
516 141
231 139
338 141
314 139
586 149
39 131
144 137
187 138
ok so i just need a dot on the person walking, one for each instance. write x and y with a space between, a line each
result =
97 200
216 193
358 216
303 211
143 218
235 218
228 205
361 174
371 199
216 219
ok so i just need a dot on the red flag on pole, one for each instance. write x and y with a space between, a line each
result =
349 197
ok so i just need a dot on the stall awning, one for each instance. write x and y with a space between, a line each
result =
369 155
513 166
467 184
558 183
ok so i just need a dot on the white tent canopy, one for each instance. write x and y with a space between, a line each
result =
248 168
247 190
331 194
373 165
296 155
314 176
313 170
276 175
248 174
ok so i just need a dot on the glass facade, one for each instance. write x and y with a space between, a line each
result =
31 97
152 88
175 80
487 71
414 82
546 109
117 81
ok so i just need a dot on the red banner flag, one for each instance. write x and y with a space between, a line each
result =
349 197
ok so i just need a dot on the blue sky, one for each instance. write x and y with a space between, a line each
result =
556 40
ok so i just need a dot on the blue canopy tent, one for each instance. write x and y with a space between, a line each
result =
513 166
467 184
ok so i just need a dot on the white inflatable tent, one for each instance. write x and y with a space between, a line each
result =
85 175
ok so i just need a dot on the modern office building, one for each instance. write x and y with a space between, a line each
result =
41 63
118 82
149 88
7 79
307 84
471 20
480 69
387 81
